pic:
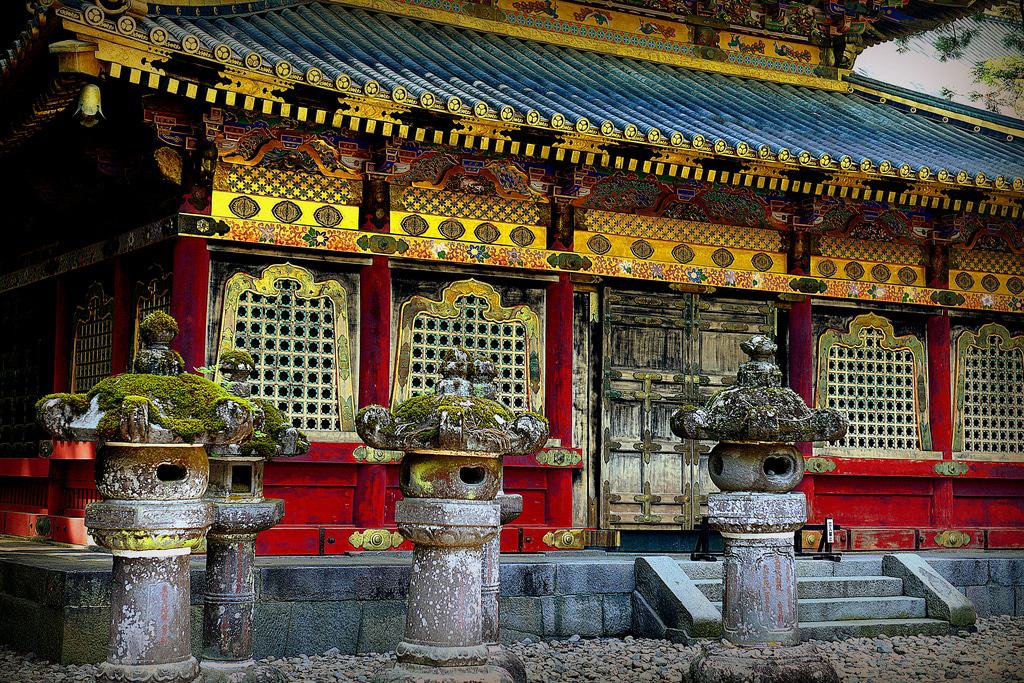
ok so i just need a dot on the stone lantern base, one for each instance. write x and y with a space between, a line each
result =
443 637
759 599
150 603
230 595
723 663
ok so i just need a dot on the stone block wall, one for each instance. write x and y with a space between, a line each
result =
59 608
995 586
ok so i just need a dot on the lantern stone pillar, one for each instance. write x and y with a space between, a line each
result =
240 512
152 471
454 441
756 421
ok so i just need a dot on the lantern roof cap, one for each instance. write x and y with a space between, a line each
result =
757 408
462 416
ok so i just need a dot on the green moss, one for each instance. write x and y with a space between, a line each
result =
183 404
273 419
480 412
158 322
236 357
79 402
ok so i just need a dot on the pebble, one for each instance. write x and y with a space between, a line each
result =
992 653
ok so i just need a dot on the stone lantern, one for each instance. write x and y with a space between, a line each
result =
454 441
152 471
239 513
755 464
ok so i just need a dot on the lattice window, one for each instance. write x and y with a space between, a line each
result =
94 328
989 392
469 314
152 295
296 329
877 379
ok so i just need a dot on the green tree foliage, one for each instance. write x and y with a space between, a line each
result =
1001 76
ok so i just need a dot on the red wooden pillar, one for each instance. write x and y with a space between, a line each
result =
558 393
940 411
61 338
190 290
121 340
801 378
374 380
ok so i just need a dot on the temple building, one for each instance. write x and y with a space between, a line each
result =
604 196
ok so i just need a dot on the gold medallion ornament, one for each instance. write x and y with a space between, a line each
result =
952 538
559 457
414 225
451 229
854 270
762 261
820 465
244 207
880 272
990 283
682 253
522 236
950 468
907 275
722 258
599 244
641 249
287 212
486 233
376 456
564 539
964 280
327 216
375 539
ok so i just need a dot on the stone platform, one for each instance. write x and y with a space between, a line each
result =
54 600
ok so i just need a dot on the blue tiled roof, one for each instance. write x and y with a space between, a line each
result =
499 71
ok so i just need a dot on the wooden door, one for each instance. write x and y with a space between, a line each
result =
659 352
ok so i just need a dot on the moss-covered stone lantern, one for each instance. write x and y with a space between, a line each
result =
240 512
152 471
454 441
756 422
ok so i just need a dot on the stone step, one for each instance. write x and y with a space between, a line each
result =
856 609
804 568
869 628
713 570
824 587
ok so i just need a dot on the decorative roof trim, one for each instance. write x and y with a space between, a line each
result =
414 10
947 114
489 137
255 90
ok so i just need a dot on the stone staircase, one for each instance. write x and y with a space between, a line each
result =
681 600
857 602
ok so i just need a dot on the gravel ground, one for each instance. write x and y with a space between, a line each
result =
994 652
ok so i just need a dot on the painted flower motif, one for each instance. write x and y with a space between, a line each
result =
987 301
658 271
877 292
853 291
695 275
626 267
477 252
730 277
315 238
266 232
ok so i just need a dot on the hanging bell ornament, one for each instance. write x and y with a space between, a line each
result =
90 106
